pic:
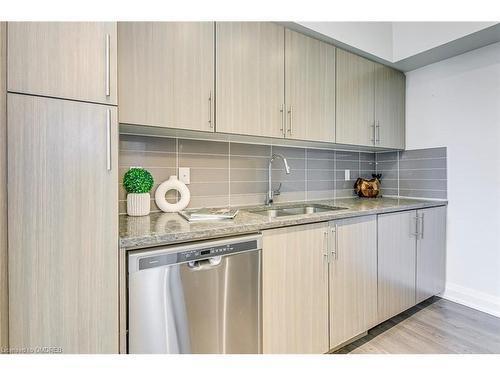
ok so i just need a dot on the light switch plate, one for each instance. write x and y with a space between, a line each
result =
347 174
185 175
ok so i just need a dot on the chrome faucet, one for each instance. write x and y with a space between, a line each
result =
270 192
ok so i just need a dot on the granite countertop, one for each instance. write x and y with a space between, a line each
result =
168 228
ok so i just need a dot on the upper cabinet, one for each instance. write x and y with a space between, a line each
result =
264 80
389 107
309 88
355 100
250 78
71 60
166 73
370 103
274 82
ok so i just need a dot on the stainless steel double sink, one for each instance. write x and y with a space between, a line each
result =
297 209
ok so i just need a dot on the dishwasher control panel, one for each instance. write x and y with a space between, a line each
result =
190 253
187 256
213 251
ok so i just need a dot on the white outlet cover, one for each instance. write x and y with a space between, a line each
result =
185 175
347 174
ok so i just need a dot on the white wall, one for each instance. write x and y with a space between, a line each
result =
372 37
411 38
394 41
456 103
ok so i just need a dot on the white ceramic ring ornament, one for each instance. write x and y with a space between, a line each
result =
172 184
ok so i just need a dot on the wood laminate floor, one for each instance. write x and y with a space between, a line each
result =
435 326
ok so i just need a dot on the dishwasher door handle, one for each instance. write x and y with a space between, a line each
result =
205 264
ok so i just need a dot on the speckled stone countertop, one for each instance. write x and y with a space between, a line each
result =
168 228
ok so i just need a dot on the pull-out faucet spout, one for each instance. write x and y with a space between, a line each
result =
270 192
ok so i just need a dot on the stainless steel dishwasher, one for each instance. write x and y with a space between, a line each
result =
203 297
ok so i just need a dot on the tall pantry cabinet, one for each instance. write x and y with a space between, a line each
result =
63 154
4 298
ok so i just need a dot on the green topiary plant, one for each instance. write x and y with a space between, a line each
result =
138 181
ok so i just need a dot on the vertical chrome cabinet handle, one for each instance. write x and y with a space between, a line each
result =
108 65
414 225
282 110
336 241
108 139
210 110
325 252
290 112
422 226
377 132
374 137
333 231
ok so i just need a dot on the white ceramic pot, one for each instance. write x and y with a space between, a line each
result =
138 204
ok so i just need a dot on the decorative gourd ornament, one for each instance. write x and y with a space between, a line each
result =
172 184
368 188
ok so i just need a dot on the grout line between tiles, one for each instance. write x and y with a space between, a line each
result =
177 163
147 151
334 174
359 164
310 158
305 164
398 171
229 174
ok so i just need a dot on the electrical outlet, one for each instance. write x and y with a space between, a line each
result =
185 175
347 174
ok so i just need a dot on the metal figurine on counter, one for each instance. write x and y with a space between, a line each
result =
368 188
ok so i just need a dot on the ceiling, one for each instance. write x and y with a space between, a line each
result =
404 45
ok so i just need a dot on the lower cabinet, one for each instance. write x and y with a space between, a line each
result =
431 254
63 251
295 289
411 258
396 263
353 278
324 284
319 285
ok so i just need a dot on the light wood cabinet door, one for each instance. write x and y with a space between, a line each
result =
431 252
166 73
389 107
295 290
63 251
71 60
355 100
4 299
396 263
309 88
250 78
353 278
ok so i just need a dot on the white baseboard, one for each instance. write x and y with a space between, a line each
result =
472 298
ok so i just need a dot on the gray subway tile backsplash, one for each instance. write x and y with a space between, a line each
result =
411 164
414 173
430 194
425 153
386 156
191 146
224 173
250 150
